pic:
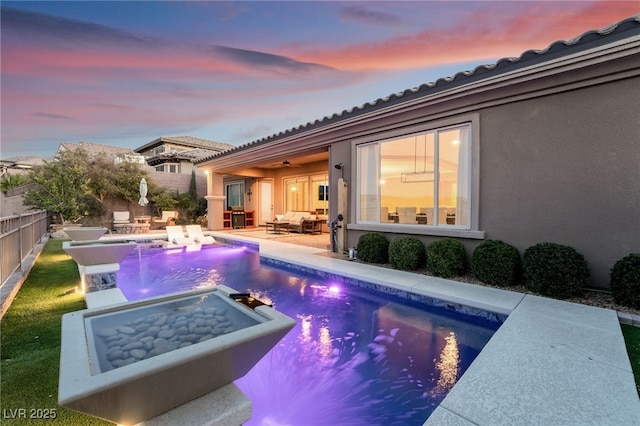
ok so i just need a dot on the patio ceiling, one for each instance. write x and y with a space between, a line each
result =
296 161
261 165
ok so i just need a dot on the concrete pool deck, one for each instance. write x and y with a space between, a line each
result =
550 363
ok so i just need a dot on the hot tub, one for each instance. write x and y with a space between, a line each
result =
133 361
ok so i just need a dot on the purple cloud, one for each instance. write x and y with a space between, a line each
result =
364 14
66 33
52 116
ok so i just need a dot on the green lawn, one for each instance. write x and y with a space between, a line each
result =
30 344
632 339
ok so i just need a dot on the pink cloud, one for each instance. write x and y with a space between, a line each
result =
123 85
31 62
478 36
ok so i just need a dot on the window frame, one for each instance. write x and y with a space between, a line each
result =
463 231
304 180
321 179
240 184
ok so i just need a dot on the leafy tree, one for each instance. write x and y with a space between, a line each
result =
192 186
103 180
11 181
74 185
91 206
127 180
190 204
62 183
107 179
162 200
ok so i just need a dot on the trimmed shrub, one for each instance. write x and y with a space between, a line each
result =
625 281
373 247
406 253
446 258
497 263
554 270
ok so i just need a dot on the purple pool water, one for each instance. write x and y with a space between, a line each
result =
355 356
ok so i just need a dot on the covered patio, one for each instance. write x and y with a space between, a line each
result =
319 241
266 185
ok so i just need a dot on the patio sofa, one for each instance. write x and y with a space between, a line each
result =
304 222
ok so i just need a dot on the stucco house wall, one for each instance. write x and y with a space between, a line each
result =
562 168
555 152
565 168
179 182
12 205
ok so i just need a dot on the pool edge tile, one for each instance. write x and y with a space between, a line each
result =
564 367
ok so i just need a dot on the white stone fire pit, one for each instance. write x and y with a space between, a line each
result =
131 362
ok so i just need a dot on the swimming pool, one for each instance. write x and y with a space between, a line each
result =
356 356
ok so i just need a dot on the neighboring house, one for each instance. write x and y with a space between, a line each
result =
11 201
172 159
543 147
118 154
159 158
19 165
176 154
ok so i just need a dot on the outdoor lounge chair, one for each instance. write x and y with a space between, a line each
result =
120 217
167 219
196 235
176 236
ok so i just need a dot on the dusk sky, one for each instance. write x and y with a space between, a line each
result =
126 73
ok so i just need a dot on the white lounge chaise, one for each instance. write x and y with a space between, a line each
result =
196 235
176 236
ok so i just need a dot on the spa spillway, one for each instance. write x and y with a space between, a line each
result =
130 362
84 233
98 261
87 253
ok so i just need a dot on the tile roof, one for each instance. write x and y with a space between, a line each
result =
96 148
187 141
23 160
192 155
617 31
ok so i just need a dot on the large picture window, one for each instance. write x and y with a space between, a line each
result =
320 194
296 197
420 179
234 192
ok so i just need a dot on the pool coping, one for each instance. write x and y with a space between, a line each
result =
551 362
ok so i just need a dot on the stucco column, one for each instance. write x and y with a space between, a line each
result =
215 199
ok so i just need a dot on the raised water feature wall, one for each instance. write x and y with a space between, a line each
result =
131 362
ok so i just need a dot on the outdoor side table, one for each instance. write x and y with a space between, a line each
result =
277 227
312 226
143 219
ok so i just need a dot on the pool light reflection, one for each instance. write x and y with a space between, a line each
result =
448 365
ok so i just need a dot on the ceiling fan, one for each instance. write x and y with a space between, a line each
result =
285 163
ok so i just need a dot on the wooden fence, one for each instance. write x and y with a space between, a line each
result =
19 234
